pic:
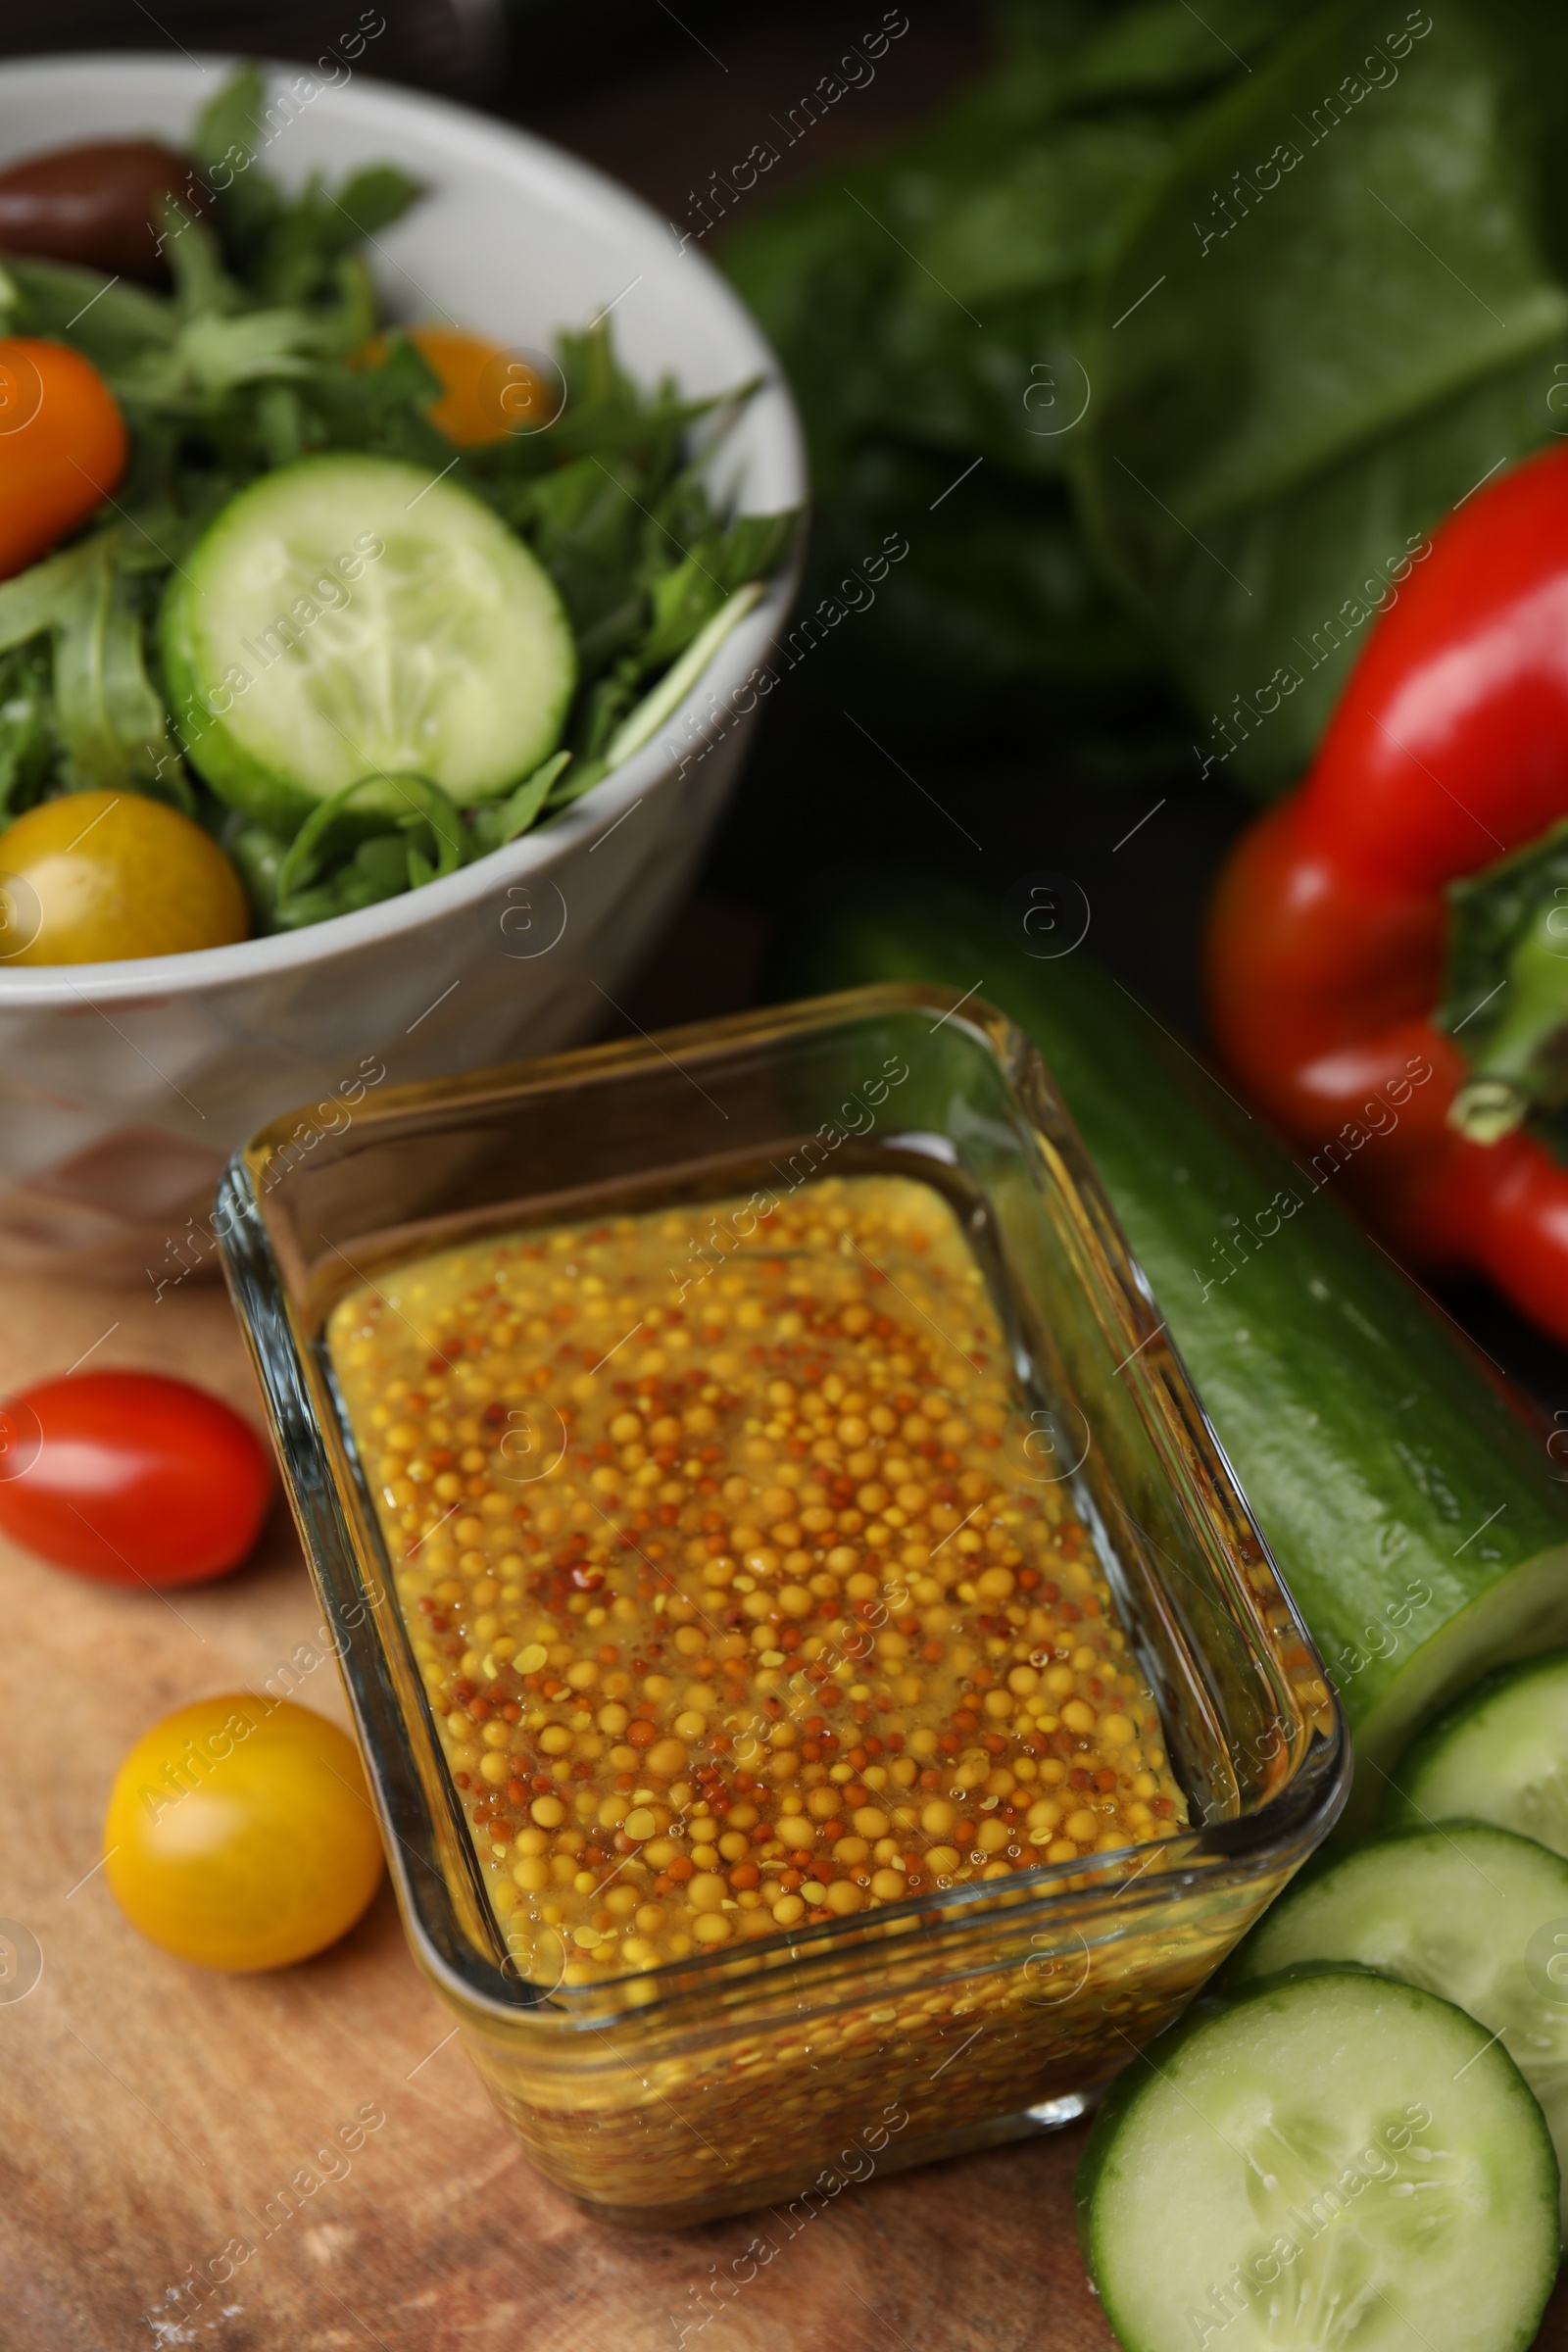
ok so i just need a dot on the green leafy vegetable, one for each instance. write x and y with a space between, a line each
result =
1165 348
927 310
108 320
1333 321
77 619
267 348
492 827
26 735
426 810
110 721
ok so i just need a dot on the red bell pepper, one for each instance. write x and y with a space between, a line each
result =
1387 946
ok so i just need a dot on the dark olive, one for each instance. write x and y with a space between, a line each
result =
98 205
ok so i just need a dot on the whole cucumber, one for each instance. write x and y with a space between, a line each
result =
1412 1511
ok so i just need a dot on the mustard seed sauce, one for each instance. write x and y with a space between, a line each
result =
744 1603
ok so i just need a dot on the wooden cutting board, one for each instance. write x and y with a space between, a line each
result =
315 2135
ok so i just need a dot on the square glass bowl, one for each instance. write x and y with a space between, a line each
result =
962 2017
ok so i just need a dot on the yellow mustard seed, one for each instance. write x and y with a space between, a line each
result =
749 1613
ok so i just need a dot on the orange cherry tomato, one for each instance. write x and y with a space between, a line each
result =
63 445
489 392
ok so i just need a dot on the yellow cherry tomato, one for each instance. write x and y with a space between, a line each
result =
93 877
489 393
240 1834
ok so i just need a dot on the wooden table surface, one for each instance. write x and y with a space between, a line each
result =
153 2115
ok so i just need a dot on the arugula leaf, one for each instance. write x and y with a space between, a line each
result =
259 856
26 734
1333 321
583 522
105 716
39 598
369 873
196 262
108 320
378 868
645 721
502 821
578 779
213 354
307 237
223 143
686 598
110 722
284 250
372 199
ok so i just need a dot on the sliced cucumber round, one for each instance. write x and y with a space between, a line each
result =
351 616
1499 1753
1332 2162
1473 1913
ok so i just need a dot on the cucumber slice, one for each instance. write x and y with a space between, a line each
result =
1332 2161
349 617
1467 1911
1499 1755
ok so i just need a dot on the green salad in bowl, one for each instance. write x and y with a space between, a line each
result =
305 607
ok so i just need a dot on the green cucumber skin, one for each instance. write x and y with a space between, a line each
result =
1364 1432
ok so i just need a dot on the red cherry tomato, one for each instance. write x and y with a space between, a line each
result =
131 1477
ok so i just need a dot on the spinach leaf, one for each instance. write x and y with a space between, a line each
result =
1333 321
927 308
1160 52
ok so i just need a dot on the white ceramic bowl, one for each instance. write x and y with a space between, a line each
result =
125 1086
